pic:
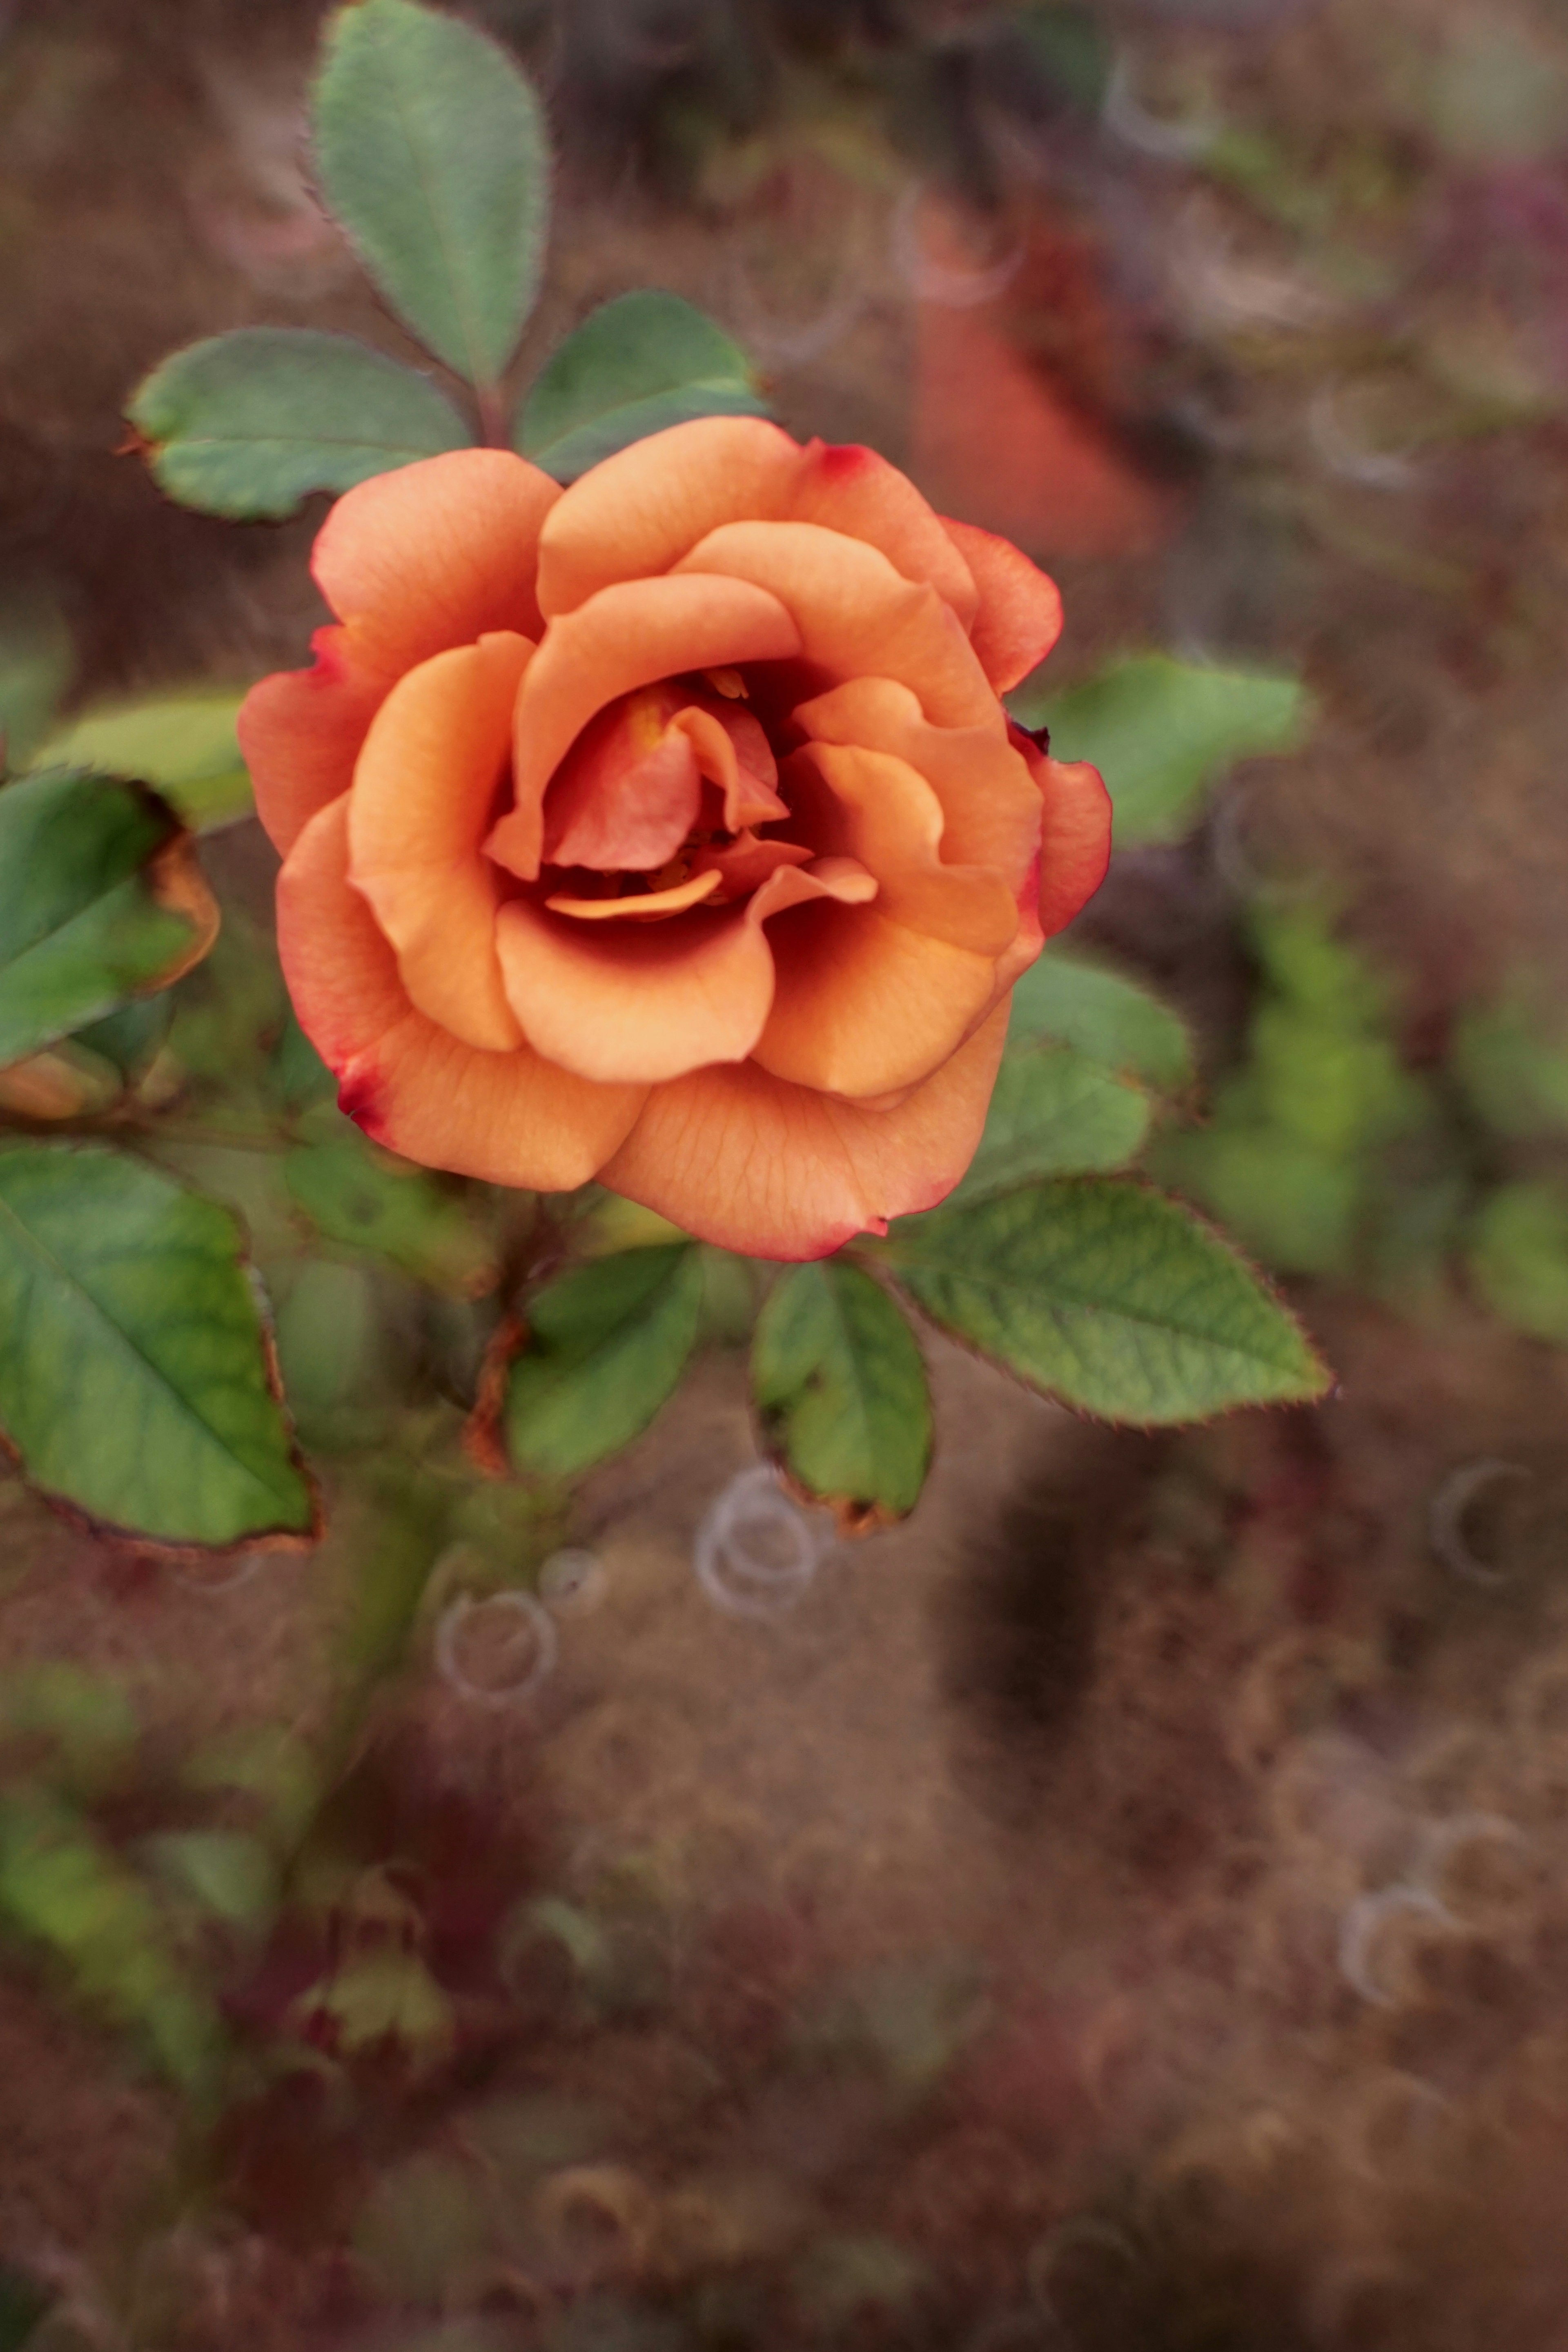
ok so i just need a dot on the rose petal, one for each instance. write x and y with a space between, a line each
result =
853 490
733 752
646 907
508 1118
301 732
637 512
872 806
627 793
1020 609
435 554
1075 834
857 616
746 1160
423 793
641 1002
748 861
863 1007
626 637
991 807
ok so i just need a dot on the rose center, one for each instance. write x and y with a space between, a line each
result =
660 803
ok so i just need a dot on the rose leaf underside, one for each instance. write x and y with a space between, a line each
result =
607 1345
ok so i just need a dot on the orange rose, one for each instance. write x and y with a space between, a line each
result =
669 830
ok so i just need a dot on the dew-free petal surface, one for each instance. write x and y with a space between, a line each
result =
1075 835
990 803
423 788
747 1161
508 1118
864 1007
435 554
851 489
1019 615
640 1003
857 615
640 511
877 808
301 732
624 637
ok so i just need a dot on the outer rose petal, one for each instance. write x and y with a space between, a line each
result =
877 808
638 512
1020 610
435 554
1075 834
635 513
301 732
510 1119
857 616
990 805
646 1002
626 636
855 491
865 1007
423 792
775 1171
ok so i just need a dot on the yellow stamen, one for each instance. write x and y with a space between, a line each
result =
727 682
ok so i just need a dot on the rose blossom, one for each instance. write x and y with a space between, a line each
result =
669 829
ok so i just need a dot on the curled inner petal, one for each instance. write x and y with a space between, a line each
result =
635 1003
632 634
645 909
627 793
872 806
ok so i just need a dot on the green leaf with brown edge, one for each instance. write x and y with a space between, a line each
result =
368 1203
634 366
101 900
1162 731
1109 1296
840 1387
135 1374
183 743
247 424
607 1345
433 152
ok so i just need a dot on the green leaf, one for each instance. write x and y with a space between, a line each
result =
1055 1112
433 153
634 366
841 1387
247 424
356 1197
135 1379
1107 1295
1163 731
1078 1002
100 899
185 744
1518 1257
608 1344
